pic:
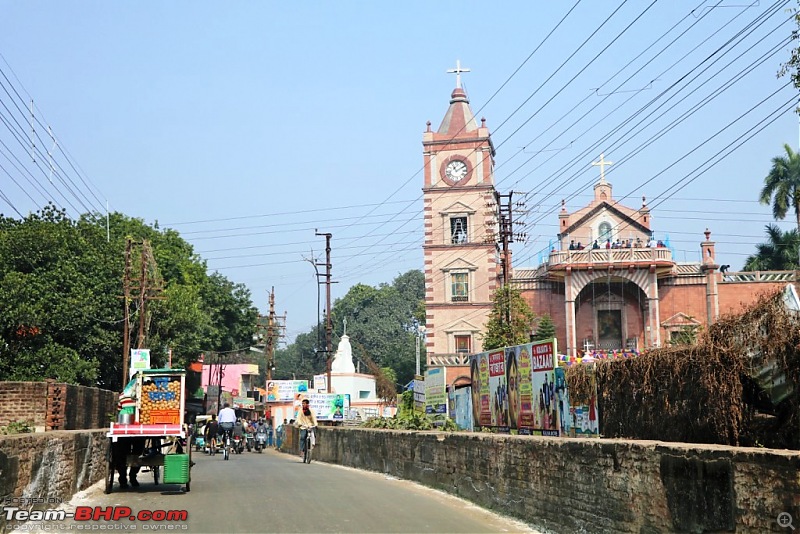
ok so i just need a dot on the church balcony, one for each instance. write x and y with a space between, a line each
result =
609 257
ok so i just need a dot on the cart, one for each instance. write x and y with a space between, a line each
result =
156 407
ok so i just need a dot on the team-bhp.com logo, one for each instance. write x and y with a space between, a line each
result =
94 513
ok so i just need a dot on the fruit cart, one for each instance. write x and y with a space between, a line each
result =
152 408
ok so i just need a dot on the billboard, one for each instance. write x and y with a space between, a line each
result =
419 393
329 406
435 394
285 390
514 389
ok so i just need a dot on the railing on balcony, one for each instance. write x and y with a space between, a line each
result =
460 359
609 255
759 276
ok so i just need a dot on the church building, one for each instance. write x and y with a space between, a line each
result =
609 285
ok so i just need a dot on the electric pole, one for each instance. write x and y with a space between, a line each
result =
328 323
126 327
269 348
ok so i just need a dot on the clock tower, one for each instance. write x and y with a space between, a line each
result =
461 258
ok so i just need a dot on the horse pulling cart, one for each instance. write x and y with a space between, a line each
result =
150 430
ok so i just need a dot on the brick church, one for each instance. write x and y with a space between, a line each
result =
607 285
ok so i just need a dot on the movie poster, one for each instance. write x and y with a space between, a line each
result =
545 407
479 373
586 417
498 390
520 388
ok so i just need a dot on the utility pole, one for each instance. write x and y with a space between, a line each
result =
328 323
142 293
126 326
269 349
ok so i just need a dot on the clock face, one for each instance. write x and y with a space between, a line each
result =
456 170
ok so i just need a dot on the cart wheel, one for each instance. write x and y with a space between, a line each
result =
110 467
187 487
156 473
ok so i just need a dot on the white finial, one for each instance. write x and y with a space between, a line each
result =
602 164
458 70
345 325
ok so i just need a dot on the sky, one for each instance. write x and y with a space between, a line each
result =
249 127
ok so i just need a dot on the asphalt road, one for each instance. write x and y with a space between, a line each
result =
276 492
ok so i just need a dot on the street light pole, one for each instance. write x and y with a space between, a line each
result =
419 332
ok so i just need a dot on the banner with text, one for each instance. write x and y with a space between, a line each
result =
435 393
329 406
286 390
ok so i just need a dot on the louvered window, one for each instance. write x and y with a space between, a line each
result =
458 230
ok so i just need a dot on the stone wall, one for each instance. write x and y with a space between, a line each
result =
56 406
41 470
574 485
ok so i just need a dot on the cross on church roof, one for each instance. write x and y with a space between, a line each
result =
458 70
602 164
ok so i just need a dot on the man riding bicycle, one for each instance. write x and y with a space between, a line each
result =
227 420
306 420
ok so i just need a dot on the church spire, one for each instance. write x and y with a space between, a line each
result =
459 118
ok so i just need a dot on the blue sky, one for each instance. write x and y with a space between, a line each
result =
247 125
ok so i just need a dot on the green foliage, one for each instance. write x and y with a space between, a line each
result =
17 427
778 254
545 329
782 185
510 320
410 420
60 315
792 67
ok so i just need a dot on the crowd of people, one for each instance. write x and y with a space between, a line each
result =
619 243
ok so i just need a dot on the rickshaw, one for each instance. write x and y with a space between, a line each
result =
152 407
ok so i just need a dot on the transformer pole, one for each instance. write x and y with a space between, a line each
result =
328 323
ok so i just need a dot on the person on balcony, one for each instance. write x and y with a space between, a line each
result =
572 245
595 244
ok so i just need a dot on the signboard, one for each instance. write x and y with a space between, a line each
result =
285 390
212 391
419 393
244 403
545 411
329 406
321 383
498 407
435 394
140 360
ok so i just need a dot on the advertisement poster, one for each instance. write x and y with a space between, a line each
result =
140 360
479 372
285 390
519 380
321 383
329 406
545 408
419 393
435 393
562 399
585 417
498 389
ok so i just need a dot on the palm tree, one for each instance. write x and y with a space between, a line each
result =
778 254
782 185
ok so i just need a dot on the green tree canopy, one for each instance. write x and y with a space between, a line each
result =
60 311
545 329
779 253
510 320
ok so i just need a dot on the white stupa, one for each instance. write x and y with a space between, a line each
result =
345 379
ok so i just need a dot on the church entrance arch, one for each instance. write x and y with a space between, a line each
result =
611 312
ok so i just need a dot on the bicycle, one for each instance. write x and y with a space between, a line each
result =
226 445
308 447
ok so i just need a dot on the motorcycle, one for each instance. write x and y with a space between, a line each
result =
261 439
249 441
238 444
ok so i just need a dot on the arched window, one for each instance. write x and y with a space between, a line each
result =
605 231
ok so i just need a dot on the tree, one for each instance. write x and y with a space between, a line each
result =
779 254
502 332
792 67
545 329
782 185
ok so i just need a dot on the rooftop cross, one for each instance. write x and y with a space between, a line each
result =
602 164
458 70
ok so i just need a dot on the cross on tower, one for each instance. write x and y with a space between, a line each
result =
458 70
602 164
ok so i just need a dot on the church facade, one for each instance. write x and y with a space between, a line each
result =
608 285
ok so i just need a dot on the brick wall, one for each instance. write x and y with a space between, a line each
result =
574 485
56 406
44 469
23 401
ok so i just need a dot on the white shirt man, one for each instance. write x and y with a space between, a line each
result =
226 415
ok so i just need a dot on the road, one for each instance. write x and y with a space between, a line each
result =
276 492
